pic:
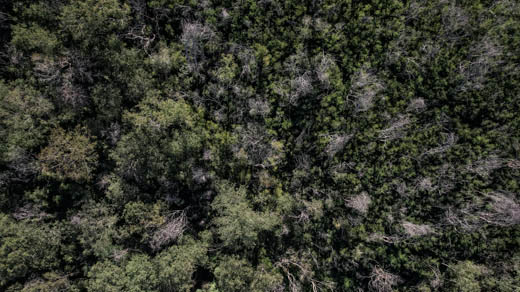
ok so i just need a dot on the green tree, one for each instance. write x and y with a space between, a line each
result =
238 225
137 275
26 248
234 274
69 155
178 264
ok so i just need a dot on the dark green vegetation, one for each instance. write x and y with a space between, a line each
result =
177 145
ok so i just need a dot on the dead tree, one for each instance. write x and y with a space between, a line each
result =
248 61
416 105
359 203
450 140
484 167
336 143
298 269
301 86
193 37
322 71
260 107
485 56
504 210
175 225
415 230
253 145
495 208
30 211
382 281
396 130
48 70
364 89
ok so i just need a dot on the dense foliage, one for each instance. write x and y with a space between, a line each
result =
244 145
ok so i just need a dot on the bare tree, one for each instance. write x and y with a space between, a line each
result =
364 89
336 143
382 281
485 166
301 86
360 202
414 230
450 140
22 163
425 184
48 70
254 144
248 61
30 211
193 37
175 225
396 130
485 56
259 107
495 208
200 176
416 105
324 64
504 210
298 268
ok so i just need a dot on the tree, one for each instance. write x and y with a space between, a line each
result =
50 282
466 276
234 274
238 225
137 275
166 139
69 155
178 264
26 248
90 22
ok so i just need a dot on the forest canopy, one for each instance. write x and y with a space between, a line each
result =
259 145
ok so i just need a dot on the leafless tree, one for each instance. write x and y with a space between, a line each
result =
112 133
455 20
48 70
193 37
259 107
379 237
416 105
301 86
495 208
485 56
364 89
175 225
485 166
382 281
396 129
425 184
248 61
254 144
30 211
296 64
336 143
360 202
161 59
450 140
119 255
504 210
22 163
70 92
414 230
200 176
324 63
298 269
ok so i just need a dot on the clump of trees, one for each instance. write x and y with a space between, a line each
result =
212 146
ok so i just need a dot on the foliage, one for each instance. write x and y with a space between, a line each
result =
332 145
